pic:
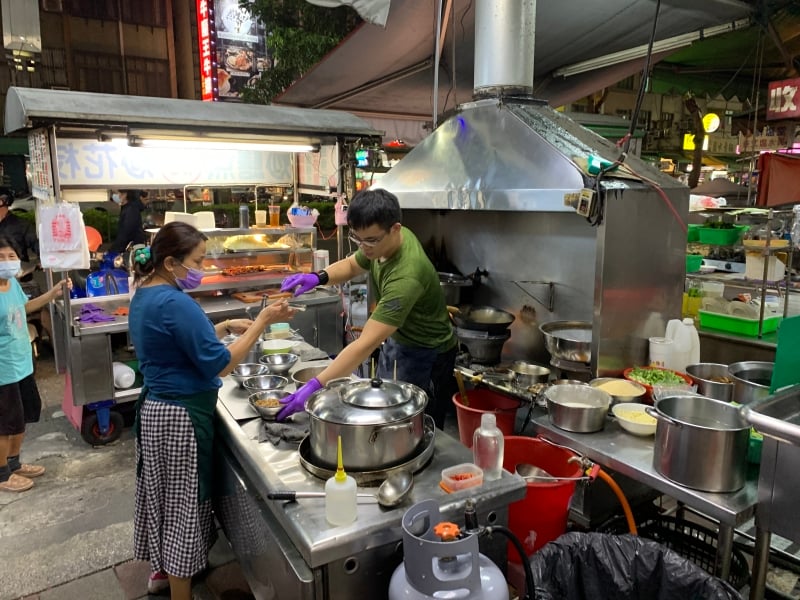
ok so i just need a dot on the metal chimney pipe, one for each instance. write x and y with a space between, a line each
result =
505 34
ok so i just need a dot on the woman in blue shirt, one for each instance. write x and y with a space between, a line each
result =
19 398
181 358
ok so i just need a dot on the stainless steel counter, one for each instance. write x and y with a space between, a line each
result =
633 456
270 469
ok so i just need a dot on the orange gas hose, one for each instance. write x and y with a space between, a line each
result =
626 508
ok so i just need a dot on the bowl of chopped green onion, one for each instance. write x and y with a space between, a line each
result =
651 376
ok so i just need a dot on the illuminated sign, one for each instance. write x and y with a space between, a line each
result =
205 14
688 141
784 100
711 122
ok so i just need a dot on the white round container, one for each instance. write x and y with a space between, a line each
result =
660 352
124 376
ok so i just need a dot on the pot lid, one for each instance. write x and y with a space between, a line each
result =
365 402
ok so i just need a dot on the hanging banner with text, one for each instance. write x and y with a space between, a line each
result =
89 163
784 99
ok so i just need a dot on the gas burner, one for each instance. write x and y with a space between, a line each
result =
419 461
576 370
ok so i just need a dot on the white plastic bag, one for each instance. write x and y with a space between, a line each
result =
62 238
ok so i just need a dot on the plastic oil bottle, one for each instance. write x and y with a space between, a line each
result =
685 343
340 494
487 447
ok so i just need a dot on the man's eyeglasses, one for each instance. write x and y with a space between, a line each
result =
369 242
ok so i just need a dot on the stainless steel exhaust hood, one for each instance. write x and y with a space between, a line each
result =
504 152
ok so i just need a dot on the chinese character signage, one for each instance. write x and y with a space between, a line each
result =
784 99
208 75
41 169
89 163
233 49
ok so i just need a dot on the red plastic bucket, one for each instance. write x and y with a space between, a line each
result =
481 401
541 516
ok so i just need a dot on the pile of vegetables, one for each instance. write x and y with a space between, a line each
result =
650 376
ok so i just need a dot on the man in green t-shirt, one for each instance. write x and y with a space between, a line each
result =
410 317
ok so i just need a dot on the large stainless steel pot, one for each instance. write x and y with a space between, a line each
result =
700 442
452 286
483 318
568 340
751 380
579 408
381 423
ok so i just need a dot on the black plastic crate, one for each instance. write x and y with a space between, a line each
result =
695 543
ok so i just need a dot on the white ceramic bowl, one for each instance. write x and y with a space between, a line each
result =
633 418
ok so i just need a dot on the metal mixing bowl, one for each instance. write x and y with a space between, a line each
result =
267 412
568 340
637 389
279 364
306 374
246 371
265 382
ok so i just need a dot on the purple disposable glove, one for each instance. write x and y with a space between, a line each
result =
304 282
296 402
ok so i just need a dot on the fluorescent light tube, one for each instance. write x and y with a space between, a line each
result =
673 43
138 142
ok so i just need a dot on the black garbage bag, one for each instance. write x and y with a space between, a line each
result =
596 566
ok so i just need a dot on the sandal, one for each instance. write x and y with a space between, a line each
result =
29 471
16 483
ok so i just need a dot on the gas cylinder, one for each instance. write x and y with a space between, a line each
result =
438 559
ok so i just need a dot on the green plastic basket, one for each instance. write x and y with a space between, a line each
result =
692 235
720 237
693 262
740 325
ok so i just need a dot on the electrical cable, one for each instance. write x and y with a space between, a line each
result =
530 591
595 217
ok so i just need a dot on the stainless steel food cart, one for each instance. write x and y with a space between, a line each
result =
84 144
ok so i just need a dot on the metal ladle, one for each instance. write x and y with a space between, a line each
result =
528 471
395 488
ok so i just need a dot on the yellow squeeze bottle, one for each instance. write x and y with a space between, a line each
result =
340 494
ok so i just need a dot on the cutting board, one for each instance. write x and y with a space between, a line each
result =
250 297
787 357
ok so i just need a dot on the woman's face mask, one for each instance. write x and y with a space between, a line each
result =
115 198
194 277
9 268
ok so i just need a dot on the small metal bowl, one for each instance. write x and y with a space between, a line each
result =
265 382
306 374
268 413
246 371
279 364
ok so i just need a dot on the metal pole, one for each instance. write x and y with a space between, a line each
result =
437 54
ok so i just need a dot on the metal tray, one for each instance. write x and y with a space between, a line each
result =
373 478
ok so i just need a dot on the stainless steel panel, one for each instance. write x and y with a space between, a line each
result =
640 264
519 247
270 563
90 367
779 480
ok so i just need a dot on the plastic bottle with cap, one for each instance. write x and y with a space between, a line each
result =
340 494
487 447
685 344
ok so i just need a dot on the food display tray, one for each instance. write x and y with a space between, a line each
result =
740 325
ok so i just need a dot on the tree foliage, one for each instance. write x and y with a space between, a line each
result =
299 34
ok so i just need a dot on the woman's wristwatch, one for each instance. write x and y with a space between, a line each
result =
323 277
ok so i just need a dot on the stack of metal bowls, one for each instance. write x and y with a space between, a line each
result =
712 380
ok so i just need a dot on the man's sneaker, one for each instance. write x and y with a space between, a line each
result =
157 583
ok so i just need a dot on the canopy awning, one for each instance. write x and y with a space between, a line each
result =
27 108
389 70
